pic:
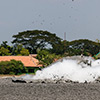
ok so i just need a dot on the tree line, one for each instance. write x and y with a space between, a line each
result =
48 46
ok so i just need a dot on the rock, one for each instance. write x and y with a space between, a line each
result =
97 80
18 80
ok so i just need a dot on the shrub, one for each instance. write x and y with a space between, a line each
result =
46 58
12 67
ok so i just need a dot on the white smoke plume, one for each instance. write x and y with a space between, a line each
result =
72 68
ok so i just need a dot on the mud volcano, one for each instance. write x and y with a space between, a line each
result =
79 69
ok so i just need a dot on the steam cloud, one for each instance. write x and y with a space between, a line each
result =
74 69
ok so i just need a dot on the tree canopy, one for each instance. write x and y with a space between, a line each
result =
84 46
48 46
36 39
6 50
33 41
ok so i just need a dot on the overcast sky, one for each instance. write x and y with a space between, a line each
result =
80 19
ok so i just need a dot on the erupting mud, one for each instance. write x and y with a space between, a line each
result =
69 69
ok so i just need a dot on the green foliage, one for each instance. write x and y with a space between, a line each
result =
12 67
82 46
46 58
60 48
95 57
6 46
76 47
4 52
19 50
48 46
24 52
36 39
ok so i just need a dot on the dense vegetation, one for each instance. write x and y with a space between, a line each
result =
16 49
36 39
82 46
47 46
12 67
30 42
46 58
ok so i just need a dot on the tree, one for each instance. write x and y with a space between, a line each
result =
36 39
61 48
84 46
6 46
24 52
46 58
19 50
4 52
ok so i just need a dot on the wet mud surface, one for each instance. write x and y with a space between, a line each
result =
48 91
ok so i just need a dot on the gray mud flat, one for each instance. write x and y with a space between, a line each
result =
48 91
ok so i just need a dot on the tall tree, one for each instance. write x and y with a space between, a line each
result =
84 46
36 39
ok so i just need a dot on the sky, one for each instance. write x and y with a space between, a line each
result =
79 19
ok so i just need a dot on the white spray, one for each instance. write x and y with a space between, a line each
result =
73 68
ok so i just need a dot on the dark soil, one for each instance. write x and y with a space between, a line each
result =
48 91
